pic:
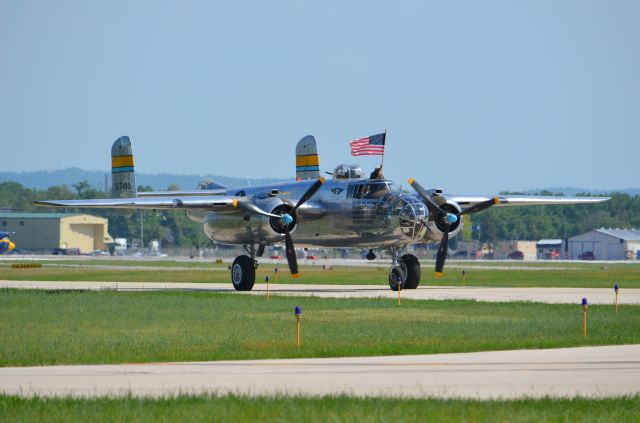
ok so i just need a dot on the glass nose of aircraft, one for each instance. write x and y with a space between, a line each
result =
413 216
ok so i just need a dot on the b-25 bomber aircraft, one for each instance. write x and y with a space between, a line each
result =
347 211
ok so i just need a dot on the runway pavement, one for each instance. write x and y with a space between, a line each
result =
566 372
491 294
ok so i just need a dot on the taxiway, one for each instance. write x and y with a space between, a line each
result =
566 372
490 294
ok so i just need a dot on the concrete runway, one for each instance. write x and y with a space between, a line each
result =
566 372
491 294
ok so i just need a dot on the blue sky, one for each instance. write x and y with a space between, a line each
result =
476 96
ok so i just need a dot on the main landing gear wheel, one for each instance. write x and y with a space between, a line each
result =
395 274
412 271
243 273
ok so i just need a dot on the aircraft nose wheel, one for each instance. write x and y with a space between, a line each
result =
408 269
394 274
411 270
243 273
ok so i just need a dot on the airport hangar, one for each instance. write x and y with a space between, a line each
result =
51 231
606 244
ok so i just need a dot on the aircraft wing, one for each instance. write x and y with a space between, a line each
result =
194 193
526 200
212 203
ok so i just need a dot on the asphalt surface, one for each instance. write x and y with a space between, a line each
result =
566 372
490 294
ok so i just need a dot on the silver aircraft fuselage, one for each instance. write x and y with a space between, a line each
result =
343 213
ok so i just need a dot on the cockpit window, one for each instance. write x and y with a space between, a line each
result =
368 191
240 194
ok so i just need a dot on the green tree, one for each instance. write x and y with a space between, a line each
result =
84 190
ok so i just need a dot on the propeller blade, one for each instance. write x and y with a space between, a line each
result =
291 254
481 206
431 205
287 219
442 252
310 192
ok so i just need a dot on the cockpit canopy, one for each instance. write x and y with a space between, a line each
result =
369 190
344 171
207 183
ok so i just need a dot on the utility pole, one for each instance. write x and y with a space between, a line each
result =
566 238
141 232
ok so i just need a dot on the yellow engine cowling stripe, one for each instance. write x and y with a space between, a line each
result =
122 161
310 160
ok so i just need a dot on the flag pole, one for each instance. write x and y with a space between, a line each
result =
383 149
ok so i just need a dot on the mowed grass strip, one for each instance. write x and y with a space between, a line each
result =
57 327
325 409
119 262
625 275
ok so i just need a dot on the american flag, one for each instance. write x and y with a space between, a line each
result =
368 146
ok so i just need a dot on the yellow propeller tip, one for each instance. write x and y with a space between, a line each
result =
438 274
496 200
295 275
234 203
321 179
411 181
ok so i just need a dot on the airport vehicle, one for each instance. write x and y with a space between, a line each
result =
516 255
120 246
6 245
347 211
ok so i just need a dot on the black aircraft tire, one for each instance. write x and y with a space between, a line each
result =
393 276
413 271
243 273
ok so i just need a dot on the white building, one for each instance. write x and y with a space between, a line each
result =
605 244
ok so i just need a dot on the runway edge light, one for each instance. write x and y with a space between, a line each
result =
298 313
616 288
584 316
399 285
266 279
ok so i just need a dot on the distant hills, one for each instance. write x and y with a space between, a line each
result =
160 181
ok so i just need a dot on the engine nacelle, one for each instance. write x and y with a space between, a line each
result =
246 227
277 224
436 223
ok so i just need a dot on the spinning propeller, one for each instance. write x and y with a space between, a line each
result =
447 219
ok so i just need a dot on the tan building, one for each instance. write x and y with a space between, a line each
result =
522 250
48 231
503 250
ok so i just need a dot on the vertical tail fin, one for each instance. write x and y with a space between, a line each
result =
123 177
307 160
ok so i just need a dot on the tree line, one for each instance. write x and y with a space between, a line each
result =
175 229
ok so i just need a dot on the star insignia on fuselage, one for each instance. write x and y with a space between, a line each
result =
337 191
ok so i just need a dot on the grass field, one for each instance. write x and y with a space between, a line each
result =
486 274
326 409
40 327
